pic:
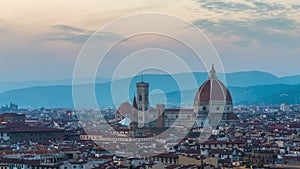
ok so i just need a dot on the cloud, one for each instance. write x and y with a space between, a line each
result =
296 6
68 28
76 35
243 6
220 5
263 6
69 34
271 23
278 23
279 32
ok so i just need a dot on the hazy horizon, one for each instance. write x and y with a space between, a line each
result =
152 73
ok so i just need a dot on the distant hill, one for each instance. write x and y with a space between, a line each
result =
237 79
251 87
290 79
260 95
252 78
61 96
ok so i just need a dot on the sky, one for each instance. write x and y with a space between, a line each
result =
41 40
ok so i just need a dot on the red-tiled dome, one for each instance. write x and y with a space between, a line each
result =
125 109
212 89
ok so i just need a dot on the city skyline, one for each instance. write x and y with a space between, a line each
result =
41 40
149 84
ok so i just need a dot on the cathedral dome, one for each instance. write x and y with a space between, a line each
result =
213 102
213 90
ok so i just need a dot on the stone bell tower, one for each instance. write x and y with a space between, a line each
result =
142 95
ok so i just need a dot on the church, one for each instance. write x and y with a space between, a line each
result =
213 107
213 103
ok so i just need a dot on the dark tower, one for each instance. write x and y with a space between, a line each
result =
142 96
134 104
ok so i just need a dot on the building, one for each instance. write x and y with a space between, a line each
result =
21 133
263 157
213 104
12 118
142 96
170 117
212 107
12 107
284 107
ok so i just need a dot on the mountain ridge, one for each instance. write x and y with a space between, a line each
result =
61 96
237 79
248 87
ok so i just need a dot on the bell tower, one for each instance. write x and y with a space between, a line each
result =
142 95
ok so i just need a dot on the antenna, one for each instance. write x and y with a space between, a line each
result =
142 77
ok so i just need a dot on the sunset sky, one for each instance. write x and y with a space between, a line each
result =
40 40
